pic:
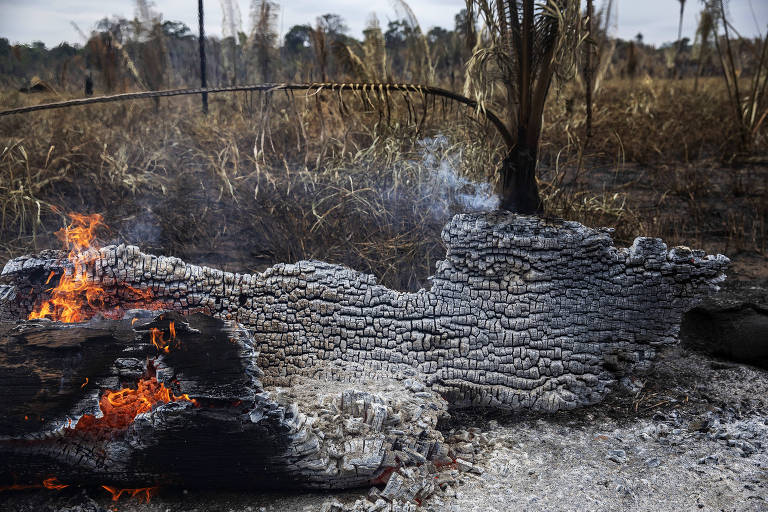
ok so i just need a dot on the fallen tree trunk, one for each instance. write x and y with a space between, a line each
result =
524 313
312 374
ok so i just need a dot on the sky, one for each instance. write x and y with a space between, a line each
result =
24 21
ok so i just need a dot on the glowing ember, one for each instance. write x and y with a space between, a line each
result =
75 299
147 492
51 483
121 407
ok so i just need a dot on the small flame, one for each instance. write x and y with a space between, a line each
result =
121 407
146 491
158 338
75 299
84 383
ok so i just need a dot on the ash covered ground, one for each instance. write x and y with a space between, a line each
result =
692 435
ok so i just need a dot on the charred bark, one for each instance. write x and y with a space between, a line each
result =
519 190
221 427
523 313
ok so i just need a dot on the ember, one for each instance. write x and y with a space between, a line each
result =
75 298
147 492
121 407
51 483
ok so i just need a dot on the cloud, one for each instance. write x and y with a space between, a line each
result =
38 20
49 21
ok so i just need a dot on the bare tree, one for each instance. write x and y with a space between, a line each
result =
231 26
262 40
598 49
680 23
201 40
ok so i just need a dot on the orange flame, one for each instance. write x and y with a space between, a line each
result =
66 299
158 338
121 407
75 299
116 493
51 483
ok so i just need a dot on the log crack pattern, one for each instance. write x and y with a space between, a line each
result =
524 313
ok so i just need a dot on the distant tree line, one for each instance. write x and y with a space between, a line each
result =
149 53
123 54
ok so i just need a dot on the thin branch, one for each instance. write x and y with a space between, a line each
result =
312 88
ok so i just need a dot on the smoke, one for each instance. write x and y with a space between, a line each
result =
449 190
142 228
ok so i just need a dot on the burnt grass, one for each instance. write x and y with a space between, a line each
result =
240 192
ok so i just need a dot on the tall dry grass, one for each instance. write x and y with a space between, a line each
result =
278 178
244 189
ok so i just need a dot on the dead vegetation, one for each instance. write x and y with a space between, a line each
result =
369 180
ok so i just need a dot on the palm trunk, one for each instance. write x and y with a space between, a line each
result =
519 191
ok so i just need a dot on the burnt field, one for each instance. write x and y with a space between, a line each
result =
417 270
299 177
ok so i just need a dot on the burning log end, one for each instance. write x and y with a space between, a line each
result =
213 423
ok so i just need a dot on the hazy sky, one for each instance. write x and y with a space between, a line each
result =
49 21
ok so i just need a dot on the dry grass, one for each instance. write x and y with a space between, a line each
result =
237 192
259 182
649 121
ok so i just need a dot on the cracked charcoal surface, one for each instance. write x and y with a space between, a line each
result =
524 313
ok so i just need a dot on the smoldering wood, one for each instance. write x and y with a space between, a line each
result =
524 313
313 434
340 380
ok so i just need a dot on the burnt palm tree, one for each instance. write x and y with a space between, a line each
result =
525 45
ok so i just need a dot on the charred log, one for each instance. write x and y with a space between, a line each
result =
524 313
218 426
